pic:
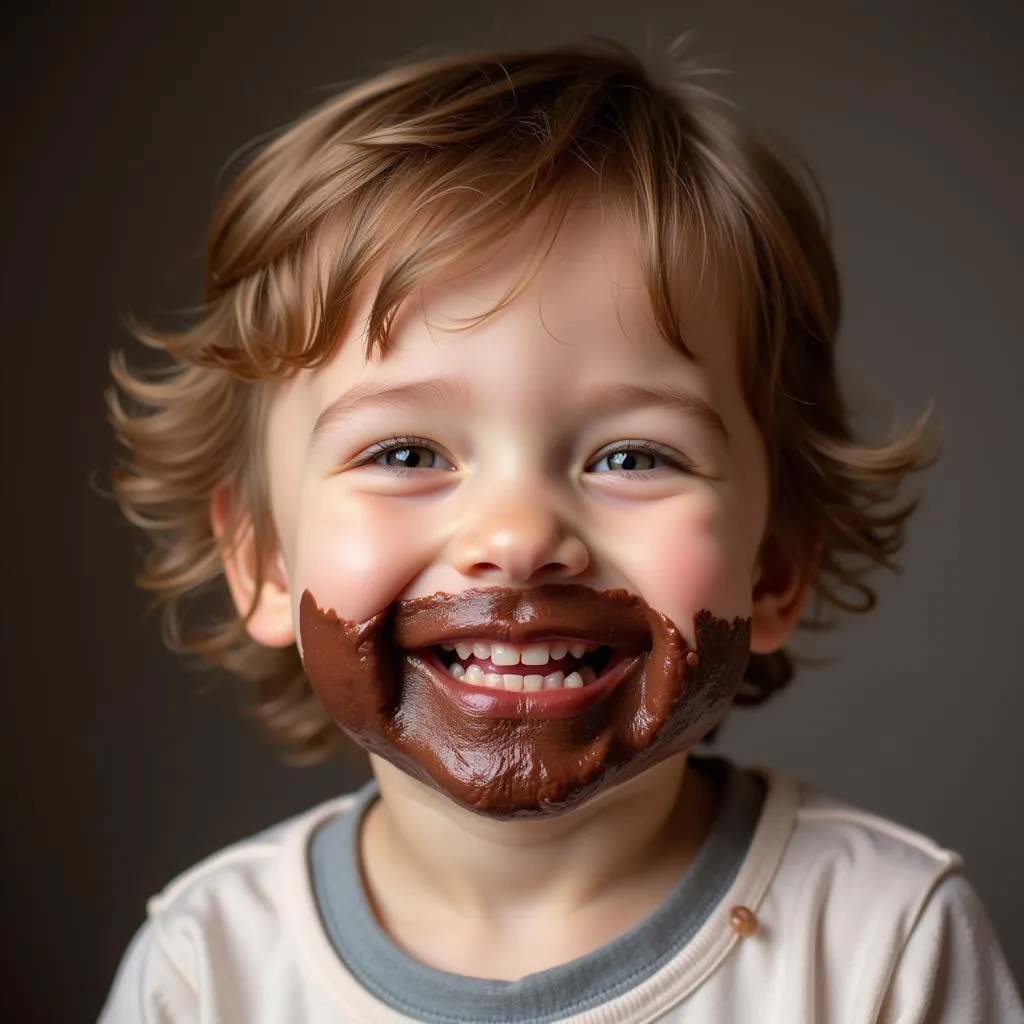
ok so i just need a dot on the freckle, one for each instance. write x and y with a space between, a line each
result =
743 921
691 659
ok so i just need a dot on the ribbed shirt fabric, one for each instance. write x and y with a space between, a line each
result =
438 997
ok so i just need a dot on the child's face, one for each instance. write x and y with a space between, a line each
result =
558 441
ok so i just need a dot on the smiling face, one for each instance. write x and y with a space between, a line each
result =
433 505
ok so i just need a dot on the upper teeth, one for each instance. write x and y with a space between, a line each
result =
514 654
475 676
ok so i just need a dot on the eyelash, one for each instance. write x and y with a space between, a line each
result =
395 444
650 448
398 443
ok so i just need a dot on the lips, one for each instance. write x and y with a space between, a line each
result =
554 702
543 641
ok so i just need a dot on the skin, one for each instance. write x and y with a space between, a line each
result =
519 497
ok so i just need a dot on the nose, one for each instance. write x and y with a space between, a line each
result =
518 539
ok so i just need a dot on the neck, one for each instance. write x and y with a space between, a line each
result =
419 844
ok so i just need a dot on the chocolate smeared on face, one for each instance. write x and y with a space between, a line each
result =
523 754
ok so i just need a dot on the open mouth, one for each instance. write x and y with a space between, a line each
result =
541 665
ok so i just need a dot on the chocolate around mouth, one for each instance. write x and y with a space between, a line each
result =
522 765
520 616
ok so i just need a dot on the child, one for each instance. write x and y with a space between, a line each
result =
511 423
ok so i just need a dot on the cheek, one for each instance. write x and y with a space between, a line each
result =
696 563
355 556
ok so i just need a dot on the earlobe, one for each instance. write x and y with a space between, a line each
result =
263 599
780 591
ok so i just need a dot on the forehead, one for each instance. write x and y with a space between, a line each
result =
575 296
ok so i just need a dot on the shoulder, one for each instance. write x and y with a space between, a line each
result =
848 846
857 896
215 920
243 881
850 872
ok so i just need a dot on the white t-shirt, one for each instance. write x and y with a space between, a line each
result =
860 921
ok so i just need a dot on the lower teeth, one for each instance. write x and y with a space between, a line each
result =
515 683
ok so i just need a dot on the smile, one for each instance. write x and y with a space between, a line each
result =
529 668
483 679
554 650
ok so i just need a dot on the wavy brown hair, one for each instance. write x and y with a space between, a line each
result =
405 175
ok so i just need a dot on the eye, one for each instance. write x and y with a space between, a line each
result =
629 459
633 457
405 453
412 457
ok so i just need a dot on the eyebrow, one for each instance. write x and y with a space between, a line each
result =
440 391
436 392
620 397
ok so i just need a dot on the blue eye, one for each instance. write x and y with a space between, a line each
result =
627 459
633 457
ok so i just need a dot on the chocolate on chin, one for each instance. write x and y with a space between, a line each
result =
523 754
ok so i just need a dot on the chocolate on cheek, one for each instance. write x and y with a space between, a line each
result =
524 764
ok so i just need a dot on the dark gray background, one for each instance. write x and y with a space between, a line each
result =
119 774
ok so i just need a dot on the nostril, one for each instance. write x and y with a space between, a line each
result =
488 567
520 549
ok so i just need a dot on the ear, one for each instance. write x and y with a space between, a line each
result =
780 591
264 603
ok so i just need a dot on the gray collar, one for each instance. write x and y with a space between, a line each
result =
438 997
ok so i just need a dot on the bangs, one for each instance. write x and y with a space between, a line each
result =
404 197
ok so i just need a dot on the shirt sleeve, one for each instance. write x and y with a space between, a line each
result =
952 970
149 987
